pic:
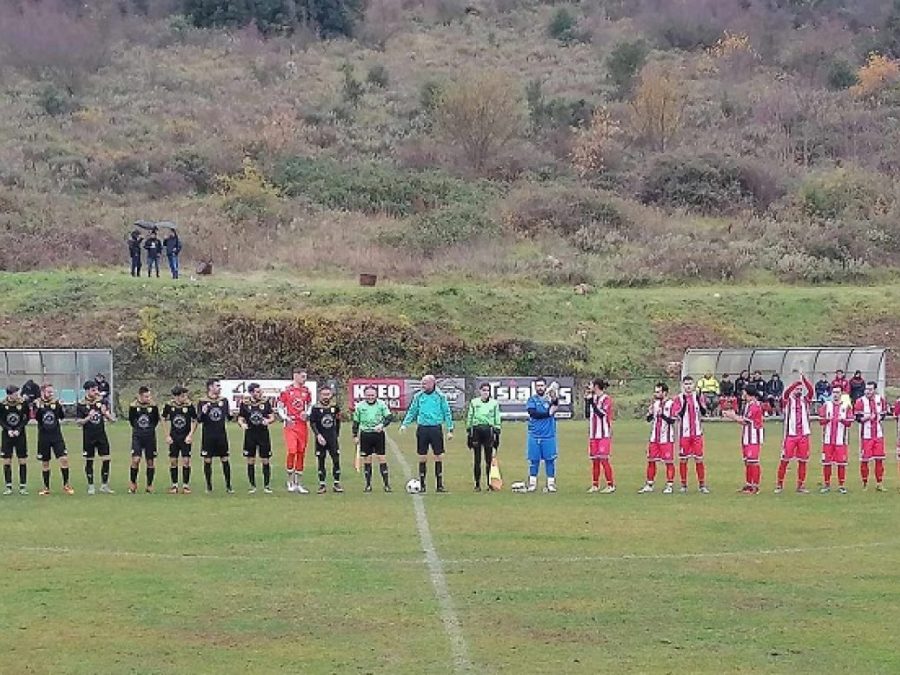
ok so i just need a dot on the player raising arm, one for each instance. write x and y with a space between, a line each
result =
836 418
661 447
870 411
541 445
598 409
795 403
370 417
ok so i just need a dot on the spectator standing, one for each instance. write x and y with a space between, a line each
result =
841 381
823 389
741 383
31 391
857 386
135 243
774 391
154 250
172 245
103 388
708 387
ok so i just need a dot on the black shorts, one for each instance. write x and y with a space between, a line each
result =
179 448
54 444
430 437
214 446
19 445
483 436
95 446
143 446
257 442
331 447
370 443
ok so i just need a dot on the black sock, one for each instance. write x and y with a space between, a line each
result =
151 473
173 474
320 461
207 473
89 471
423 471
476 470
267 474
23 474
45 475
251 474
7 473
133 474
439 472
368 472
383 467
186 475
226 471
65 474
336 467
104 472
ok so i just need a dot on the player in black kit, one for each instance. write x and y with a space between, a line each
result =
213 412
325 421
179 424
13 418
91 414
254 417
48 412
144 418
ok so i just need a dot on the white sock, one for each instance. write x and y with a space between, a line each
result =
532 480
551 481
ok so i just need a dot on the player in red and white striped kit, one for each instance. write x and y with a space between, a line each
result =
870 411
661 447
598 409
795 403
897 415
836 418
752 436
689 407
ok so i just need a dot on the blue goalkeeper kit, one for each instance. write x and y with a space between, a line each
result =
541 436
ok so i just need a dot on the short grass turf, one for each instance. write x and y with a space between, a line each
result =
338 583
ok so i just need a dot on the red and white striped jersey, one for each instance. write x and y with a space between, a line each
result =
897 415
688 408
836 419
600 426
661 431
753 424
876 407
796 409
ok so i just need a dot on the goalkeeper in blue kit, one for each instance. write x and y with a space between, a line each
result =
541 408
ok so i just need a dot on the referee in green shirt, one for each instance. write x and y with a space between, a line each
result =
483 426
430 410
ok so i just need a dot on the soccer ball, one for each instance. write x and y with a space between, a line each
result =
519 486
413 486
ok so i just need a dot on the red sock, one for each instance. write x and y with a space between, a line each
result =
701 472
608 472
782 471
826 474
595 471
879 470
670 473
682 472
757 475
842 474
651 472
801 474
864 472
748 474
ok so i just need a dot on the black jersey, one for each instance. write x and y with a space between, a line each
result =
94 412
13 415
213 414
326 421
49 414
143 418
254 413
180 418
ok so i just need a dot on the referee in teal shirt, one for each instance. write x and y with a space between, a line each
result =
430 410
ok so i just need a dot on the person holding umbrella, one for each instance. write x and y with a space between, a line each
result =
154 249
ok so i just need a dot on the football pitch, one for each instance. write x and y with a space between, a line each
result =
369 583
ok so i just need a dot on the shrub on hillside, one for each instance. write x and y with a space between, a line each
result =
563 27
624 62
331 18
372 188
438 229
708 184
844 193
555 113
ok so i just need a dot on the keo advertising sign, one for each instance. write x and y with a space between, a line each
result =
398 393
512 393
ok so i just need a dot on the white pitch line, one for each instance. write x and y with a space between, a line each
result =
449 618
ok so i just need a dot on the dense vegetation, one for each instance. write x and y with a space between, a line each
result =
604 142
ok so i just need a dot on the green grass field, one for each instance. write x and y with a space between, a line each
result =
339 583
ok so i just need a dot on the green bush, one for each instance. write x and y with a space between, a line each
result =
844 193
331 17
708 184
373 188
624 62
562 25
430 95
841 74
54 101
557 113
378 76
449 226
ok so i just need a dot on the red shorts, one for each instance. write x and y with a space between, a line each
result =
871 448
834 454
750 453
795 447
691 446
296 437
599 448
661 452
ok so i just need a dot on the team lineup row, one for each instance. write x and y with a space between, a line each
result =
670 418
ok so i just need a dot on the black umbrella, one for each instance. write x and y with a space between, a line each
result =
146 224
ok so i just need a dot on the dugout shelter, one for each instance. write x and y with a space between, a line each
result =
67 369
813 361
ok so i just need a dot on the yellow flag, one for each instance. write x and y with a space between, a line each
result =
496 478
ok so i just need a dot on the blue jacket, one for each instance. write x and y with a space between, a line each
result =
540 423
429 410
